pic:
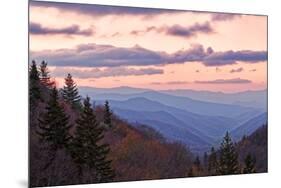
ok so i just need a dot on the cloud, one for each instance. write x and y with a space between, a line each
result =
106 72
94 55
225 81
187 32
148 29
223 16
170 83
236 70
102 10
231 57
178 30
197 71
38 29
253 70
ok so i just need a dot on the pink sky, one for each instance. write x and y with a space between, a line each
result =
60 29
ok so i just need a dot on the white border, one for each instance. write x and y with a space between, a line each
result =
13 72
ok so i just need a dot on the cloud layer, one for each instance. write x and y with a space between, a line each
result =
223 16
178 30
38 29
236 70
102 10
107 72
170 83
93 55
225 81
187 32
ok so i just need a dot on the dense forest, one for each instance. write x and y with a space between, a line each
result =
73 141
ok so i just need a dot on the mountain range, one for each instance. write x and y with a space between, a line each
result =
196 123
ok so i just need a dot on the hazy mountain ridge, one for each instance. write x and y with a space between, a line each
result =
212 126
184 103
255 99
195 123
249 126
167 125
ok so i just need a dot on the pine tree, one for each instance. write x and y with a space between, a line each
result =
44 75
70 92
212 162
54 127
196 169
34 85
250 163
107 114
205 160
197 162
228 162
87 149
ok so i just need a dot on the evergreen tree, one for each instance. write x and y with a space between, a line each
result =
54 127
250 163
34 85
196 169
197 162
228 163
107 114
87 149
205 160
212 162
70 92
44 75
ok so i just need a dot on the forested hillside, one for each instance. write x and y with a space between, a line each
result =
73 141
256 146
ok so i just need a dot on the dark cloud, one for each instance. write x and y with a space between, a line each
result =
218 62
107 72
170 83
236 70
93 55
148 29
178 30
231 57
225 81
187 32
197 71
223 16
102 10
38 29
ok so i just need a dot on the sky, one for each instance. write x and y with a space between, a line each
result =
110 46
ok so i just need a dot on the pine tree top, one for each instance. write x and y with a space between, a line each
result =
70 92
33 73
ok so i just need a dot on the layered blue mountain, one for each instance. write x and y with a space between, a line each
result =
256 99
184 103
198 124
207 127
249 126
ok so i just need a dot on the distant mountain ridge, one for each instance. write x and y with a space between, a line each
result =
212 126
255 99
184 103
249 126
198 124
